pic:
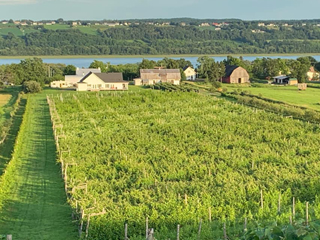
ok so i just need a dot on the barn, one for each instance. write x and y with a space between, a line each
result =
235 74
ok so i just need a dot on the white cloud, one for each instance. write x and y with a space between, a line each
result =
17 2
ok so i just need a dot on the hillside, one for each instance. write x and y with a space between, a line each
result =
160 37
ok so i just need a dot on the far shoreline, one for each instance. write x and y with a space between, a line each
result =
160 55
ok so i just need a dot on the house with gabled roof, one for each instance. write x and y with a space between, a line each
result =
190 73
235 74
102 81
153 76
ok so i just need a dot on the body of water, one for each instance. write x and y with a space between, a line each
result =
85 62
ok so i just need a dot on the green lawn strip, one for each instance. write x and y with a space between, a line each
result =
32 199
309 98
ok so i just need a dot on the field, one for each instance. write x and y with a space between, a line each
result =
288 94
32 200
178 158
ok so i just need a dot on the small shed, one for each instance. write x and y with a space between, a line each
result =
285 80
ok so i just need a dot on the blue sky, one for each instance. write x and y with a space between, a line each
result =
128 9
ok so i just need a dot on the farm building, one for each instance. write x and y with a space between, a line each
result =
235 74
102 81
190 73
153 76
71 80
285 80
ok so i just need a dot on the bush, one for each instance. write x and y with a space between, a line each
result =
31 87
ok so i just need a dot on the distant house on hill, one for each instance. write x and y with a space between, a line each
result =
285 80
190 73
235 74
102 81
153 76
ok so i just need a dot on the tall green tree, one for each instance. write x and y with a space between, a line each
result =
69 70
99 64
33 69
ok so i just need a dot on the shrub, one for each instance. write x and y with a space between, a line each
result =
31 87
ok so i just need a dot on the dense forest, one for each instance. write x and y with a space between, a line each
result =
238 37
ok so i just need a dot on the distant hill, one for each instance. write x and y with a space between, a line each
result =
158 36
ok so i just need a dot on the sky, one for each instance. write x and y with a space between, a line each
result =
142 9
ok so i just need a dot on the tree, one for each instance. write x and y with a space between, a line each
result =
32 69
31 87
147 64
69 70
98 64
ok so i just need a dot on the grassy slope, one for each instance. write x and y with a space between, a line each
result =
289 94
34 203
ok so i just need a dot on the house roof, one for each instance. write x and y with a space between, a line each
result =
230 69
160 71
115 77
281 77
185 68
85 71
162 74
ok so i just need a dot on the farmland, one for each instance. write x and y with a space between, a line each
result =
179 157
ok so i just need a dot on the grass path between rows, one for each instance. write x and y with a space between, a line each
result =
32 199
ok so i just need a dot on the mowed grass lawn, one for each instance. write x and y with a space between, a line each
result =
33 204
4 99
309 98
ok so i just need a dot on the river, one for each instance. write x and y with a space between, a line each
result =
85 62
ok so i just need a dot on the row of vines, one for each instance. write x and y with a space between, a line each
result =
6 118
178 157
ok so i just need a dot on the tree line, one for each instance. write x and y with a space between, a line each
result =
207 68
236 38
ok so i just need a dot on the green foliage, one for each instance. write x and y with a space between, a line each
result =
69 70
235 38
98 64
297 231
31 87
165 144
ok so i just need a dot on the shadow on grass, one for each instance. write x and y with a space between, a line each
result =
6 148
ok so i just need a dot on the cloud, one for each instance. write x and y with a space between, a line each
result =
17 2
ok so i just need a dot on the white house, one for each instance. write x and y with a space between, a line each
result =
190 73
70 81
102 81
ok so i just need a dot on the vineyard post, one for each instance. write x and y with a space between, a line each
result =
293 208
81 223
147 226
199 231
279 203
224 231
261 196
245 224
87 227
209 210
9 237
125 231
307 213
185 199
178 231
